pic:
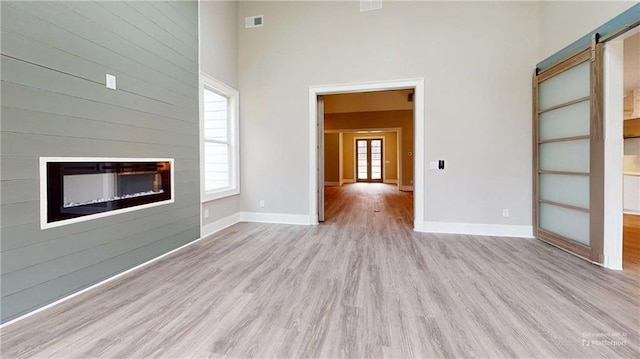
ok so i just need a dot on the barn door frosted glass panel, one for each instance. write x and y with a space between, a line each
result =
568 223
565 87
567 156
564 153
566 122
571 190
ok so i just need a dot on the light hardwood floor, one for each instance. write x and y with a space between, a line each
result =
363 286
631 246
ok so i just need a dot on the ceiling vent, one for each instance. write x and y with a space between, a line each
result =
253 21
368 5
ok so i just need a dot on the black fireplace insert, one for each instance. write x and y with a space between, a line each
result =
76 189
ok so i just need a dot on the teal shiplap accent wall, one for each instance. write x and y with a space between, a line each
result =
54 103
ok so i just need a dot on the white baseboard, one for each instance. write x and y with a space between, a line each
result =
332 184
281 218
390 181
632 212
497 230
406 188
219 225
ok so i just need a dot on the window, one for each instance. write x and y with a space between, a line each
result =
219 134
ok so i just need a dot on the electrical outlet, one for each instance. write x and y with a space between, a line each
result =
261 204
111 82
505 213
206 213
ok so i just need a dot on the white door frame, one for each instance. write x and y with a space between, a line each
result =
418 129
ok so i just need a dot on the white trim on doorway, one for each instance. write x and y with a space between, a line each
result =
418 119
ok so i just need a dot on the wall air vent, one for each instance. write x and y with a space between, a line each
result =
253 21
368 5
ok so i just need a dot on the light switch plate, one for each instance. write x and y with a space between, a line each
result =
111 82
433 165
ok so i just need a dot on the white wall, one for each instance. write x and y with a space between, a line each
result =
219 40
563 22
476 59
219 59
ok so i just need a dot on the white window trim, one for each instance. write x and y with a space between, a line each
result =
234 138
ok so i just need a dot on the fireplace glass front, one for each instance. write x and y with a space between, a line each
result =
76 189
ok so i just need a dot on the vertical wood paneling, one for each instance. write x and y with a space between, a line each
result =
597 152
54 103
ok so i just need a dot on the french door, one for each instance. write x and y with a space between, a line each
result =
568 151
369 160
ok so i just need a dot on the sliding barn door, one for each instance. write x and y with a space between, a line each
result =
568 154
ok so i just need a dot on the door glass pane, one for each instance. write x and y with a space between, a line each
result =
376 159
571 156
565 222
565 122
567 86
362 160
572 190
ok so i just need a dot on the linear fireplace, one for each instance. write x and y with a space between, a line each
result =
80 189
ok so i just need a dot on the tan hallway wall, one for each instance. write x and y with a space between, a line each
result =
332 157
379 119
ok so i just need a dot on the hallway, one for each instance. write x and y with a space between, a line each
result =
374 205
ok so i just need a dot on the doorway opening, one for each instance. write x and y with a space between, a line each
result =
368 139
404 176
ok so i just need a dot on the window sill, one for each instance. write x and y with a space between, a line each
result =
212 196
